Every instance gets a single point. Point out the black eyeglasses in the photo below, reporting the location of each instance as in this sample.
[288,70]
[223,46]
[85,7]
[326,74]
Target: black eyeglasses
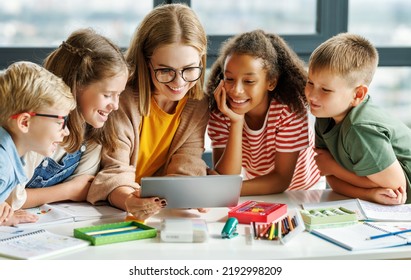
[64,118]
[167,75]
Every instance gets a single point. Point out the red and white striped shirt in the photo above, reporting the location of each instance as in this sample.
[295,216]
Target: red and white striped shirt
[283,131]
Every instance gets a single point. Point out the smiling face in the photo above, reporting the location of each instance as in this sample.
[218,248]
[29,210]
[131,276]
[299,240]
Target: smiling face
[97,100]
[245,81]
[329,95]
[178,57]
[44,134]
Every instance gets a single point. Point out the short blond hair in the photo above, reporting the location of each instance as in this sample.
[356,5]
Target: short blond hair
[28,87]
[347,55]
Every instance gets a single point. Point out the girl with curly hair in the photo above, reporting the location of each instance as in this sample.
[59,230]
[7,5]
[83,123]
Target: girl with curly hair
[259,123]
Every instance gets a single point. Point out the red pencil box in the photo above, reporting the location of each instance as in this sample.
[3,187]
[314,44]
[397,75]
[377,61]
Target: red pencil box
[258,211]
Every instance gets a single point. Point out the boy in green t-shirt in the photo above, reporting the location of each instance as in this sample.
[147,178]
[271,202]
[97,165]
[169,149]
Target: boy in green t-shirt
[363,151]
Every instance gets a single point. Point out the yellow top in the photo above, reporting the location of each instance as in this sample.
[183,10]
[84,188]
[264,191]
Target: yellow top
[156,133]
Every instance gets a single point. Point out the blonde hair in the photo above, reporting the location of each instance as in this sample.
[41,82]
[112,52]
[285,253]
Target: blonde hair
[347,55]
[28,87]
[164,25]
[84,58]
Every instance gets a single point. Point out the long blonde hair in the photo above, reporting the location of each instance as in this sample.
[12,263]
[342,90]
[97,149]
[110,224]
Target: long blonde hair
[164,25]
[84,58]
[28,87]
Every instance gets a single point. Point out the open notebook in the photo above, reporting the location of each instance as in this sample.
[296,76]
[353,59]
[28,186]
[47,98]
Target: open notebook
[355,237]
[35,244]
[68,212]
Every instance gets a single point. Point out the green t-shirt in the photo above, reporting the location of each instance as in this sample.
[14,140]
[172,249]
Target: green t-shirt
[367,141]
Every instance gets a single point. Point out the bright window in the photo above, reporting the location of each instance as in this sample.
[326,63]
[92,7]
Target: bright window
[384,22]
[391,90]
[45,23]
[228,17]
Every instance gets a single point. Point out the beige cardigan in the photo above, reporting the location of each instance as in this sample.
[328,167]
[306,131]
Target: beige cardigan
[184,156]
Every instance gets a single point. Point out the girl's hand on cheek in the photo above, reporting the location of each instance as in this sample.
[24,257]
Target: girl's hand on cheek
[220,96]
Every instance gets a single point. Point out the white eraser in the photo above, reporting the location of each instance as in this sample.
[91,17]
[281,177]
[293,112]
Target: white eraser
[183,230]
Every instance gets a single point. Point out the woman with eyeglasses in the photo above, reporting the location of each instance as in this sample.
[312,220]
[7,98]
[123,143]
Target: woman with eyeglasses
[96,71]
[163,112]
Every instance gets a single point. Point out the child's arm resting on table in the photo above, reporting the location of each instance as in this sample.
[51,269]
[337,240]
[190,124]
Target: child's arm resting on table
[276,181]
[227,160]
[391,177]
[378,194]
[75,189]
[382,187]
[328,166]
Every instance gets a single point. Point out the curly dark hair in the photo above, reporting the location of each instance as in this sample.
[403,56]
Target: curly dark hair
[280,61]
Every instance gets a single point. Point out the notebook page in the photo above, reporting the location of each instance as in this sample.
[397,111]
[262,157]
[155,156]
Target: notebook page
[47,215]
[7,232]
[82,211]
[395,227]
[378,212]
[39,244]
[354,237]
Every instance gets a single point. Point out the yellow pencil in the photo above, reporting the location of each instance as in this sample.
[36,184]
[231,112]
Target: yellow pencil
[265,230]
[111,230]
[270,237]
[290,224]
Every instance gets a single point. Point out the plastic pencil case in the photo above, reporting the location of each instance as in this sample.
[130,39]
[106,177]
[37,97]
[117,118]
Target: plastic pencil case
[115,232]
[328,217]
[288,226]
[257,211]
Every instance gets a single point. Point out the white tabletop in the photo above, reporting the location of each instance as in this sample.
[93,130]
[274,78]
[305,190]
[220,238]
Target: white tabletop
[303,246]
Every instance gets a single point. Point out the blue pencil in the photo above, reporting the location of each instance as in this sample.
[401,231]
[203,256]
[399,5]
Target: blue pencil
[388,234]
[117,232]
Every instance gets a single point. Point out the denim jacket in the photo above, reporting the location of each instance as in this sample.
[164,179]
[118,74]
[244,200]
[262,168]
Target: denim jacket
[49,172]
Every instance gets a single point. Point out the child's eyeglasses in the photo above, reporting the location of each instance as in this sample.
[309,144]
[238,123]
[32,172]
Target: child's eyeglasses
[64,118]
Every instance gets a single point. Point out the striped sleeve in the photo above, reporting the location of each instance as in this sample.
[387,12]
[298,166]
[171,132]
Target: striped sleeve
[218,129]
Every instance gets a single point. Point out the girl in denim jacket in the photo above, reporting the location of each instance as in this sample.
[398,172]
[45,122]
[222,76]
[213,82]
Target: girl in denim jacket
[96,71]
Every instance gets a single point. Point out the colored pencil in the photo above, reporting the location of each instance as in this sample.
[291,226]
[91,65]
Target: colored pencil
[388,234]
[111,230]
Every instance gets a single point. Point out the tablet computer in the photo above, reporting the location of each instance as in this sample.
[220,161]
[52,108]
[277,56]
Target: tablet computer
[194,191]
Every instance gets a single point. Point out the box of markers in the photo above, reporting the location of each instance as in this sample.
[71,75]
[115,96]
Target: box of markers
[328,217]
[279,231]
[258,211]
[115,232]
